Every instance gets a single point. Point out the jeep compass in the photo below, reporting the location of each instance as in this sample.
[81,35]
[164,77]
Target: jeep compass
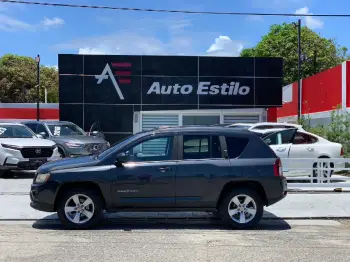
[166,169]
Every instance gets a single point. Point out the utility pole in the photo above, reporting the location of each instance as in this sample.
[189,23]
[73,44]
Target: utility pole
[299,68]
[298,25]
[37,60]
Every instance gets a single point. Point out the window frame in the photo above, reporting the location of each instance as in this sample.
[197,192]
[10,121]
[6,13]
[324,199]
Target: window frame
[151,137]
[222,147]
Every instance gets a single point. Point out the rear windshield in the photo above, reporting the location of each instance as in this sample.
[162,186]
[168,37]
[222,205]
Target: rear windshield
[236,145]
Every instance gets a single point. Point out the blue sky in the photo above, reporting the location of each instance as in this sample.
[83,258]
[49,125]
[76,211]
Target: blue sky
[31,30]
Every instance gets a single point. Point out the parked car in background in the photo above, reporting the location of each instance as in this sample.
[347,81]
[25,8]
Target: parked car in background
[264,125]
[70,138]
[296,143]
[173,169]
[21,149]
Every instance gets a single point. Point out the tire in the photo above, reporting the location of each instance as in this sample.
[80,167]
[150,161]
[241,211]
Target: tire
[90,215]
[255,203]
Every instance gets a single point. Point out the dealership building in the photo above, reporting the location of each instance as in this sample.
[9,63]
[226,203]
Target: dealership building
[126,94]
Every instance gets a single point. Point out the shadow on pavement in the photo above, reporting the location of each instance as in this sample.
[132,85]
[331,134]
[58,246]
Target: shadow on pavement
[271,223]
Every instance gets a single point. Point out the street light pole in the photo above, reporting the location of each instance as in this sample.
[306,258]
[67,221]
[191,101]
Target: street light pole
[37,60]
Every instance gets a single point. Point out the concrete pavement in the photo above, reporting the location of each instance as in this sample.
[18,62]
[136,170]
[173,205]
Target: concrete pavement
[278,241]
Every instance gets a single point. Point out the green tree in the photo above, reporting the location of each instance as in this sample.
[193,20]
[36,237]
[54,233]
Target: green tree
[318,53]
[18,80]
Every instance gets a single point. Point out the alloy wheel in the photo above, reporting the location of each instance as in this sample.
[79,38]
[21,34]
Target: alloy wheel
[242,209]
[79,209]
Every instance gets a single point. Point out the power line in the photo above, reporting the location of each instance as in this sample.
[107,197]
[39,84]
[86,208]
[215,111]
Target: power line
[168,10]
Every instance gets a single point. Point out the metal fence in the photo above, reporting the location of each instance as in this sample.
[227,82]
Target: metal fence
[317,175]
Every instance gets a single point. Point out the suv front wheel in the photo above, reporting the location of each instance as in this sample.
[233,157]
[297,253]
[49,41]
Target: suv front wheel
[80,208]
[241,209]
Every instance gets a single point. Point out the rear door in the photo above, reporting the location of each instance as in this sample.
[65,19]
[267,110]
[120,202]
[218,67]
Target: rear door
[201,160]
[281,142]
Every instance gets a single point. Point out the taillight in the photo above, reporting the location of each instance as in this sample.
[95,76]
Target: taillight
[341,151]
[277,168]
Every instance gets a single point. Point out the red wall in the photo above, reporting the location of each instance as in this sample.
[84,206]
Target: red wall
[29,113]
[321,92]
[348,84]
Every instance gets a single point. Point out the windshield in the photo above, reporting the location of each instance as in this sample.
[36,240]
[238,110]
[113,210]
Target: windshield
[14,131]
[65,130]
[120,144]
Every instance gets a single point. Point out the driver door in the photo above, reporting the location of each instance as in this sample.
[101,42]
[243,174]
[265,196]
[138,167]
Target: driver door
[281,142]
[147,176]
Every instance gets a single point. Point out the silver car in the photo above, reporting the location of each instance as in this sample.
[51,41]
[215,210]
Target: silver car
[71,140]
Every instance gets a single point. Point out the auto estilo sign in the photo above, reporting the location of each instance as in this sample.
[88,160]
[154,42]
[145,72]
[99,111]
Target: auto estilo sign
[177,80]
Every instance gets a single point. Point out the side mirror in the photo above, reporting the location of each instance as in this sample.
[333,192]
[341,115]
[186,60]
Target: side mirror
[43,135]
[121,159]
[39,136]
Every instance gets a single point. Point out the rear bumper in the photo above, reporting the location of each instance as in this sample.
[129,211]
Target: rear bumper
[276,190]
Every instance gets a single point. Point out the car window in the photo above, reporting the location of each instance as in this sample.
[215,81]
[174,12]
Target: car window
[235,146]
[15,131]
[154,149]
[201,147]
[279,138]
[32,127]
[65,130]
[41,129]
[264,127]
[301,138]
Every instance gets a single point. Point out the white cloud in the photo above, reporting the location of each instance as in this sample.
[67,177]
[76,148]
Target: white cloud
[257,18]
[49,22]
[224,46]
[311,22]
[8,23]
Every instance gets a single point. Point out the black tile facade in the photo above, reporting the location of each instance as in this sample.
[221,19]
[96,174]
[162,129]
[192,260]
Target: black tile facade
[110,88]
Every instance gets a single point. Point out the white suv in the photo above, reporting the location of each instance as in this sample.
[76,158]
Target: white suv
[264,125]
[21,149]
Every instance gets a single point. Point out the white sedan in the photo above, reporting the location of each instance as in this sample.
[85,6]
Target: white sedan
[299,144]
[264,126]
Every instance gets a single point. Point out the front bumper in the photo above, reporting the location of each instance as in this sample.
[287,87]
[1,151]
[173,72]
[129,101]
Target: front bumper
[86,150]
[42,196]
[13,163]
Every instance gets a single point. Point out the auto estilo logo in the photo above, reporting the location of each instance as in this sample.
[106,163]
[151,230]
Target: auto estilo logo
[123,75]
[203,88]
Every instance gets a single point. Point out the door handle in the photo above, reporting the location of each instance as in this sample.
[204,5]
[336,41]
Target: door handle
[310,149]
[163,169]
[281,149]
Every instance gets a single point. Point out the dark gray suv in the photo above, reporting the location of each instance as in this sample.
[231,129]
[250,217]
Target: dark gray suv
[166,169]
[71,140]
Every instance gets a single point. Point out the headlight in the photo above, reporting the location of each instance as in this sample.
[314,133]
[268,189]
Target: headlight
[74,145]
[11,146]
[42,178]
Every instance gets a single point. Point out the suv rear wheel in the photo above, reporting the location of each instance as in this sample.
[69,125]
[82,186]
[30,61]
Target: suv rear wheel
[80,208]
[242,208]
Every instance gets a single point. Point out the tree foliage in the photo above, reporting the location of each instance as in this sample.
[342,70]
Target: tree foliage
[318,53]
[18,80]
